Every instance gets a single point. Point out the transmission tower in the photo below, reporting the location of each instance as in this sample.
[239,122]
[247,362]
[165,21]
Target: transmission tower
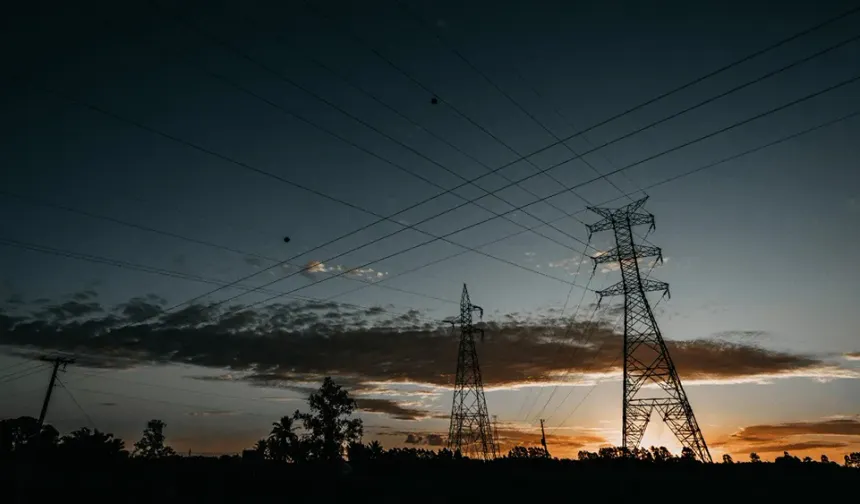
[471,432]
[646,358]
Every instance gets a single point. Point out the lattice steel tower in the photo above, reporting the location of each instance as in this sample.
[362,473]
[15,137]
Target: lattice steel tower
[646,358]
[471,431]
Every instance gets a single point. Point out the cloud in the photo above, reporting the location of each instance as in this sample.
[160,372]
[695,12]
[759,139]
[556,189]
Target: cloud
[571,265]
[367,274]
[392,408]
[741,335]
[649,263]
[84,295]
[794,436]
[253,261]
[15,299]
[852,356]
[284,344]
[212,413]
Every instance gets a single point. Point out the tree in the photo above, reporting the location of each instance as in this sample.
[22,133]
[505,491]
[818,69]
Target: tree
[661,454]
[727,459]
[283,444]
[22,435]
[151,445]
[853,460]
[518,452]
[825,459]
[688,455]
[86,444]
[375,451]
[754,457]
[329,426]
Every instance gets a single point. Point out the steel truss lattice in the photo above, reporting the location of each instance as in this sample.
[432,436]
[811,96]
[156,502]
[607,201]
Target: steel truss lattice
[646,358]
[470,432]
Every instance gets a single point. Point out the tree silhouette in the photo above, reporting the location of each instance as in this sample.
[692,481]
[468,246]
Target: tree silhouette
[329,426]
[727,459]
[522,452]
[151,445]
[87,444]
[688,455]
[754,457]
[853,460]
[283,444]
[375,451]
[22,435]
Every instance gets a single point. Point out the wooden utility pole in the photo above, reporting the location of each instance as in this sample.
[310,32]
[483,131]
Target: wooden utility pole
[543,439]
[56,361]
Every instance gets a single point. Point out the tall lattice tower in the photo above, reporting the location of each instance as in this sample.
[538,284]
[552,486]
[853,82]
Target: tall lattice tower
[646,358]
[471,431]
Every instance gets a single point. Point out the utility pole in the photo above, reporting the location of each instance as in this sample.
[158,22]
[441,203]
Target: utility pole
[496,433]
[646,358]
[56,361]
[543,439]
[470,432]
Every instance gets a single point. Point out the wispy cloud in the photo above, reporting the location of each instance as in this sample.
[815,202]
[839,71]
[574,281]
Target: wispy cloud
[834,433]
[213,413]
[316,267]
[394,409]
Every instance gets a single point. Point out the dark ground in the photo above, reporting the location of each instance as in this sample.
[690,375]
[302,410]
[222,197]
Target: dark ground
[231,480]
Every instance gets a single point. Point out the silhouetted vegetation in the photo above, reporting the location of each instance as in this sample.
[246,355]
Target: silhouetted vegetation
[318,455]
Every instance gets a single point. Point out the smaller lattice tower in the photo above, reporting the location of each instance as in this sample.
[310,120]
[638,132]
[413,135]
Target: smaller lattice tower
[471,432]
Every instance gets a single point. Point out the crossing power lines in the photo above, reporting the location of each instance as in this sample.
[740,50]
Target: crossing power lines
[517,182]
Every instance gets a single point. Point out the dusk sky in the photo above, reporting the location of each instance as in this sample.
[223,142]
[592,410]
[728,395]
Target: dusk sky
[155,151]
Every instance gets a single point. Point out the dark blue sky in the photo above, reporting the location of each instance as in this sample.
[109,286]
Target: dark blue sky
[336,98]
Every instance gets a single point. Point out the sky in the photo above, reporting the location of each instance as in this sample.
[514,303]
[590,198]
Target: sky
[155,152]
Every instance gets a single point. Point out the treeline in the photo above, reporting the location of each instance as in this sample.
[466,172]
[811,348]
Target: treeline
[326,433]
[318,456]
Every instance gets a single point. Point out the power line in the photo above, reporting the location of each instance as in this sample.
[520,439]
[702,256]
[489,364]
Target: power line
[637,163]
[37,202]
[552,195]
[473,122]
[282,77]
[459,206]
[13,366]
[434,135]
[17,375]
[164,272]
[608,120]
[697,80]
[511,99]
[594,359]
[241,164]
[178,389]
[72,397]
[615,171]
[651,186]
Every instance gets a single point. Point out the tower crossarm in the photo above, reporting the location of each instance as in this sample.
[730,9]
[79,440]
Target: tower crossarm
[626,215]
[648,285]
[627,252]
